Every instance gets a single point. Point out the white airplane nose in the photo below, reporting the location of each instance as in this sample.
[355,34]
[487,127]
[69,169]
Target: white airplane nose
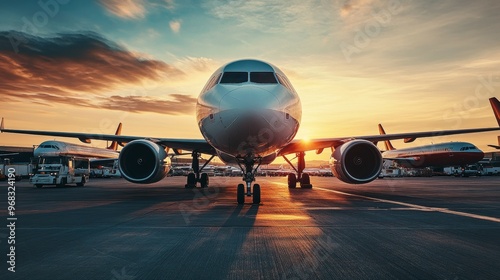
[249,98]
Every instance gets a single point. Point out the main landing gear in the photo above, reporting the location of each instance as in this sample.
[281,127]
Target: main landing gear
[247,166]
[302,178]
[196,176]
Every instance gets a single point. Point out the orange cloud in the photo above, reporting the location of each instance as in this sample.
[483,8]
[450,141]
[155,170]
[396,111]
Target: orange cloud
[72,62]
[181,104]
[131,9]
[135,9]
[72,69]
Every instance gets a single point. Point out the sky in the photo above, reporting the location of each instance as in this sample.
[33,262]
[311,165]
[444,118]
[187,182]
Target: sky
[75,65]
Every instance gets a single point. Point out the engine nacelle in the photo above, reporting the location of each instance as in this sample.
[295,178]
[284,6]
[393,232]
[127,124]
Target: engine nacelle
[143,162]
[356,162]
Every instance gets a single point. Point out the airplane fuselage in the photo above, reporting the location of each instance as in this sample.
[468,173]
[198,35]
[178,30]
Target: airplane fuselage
[248,108]
[58,148]
[442,154]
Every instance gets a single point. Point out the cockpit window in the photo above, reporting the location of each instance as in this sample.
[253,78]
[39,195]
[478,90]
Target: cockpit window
[263,78]
[211,83]
[234,77]
[284,81]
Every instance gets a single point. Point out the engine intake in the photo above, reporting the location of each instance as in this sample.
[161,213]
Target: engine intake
[356,162]
[143,162]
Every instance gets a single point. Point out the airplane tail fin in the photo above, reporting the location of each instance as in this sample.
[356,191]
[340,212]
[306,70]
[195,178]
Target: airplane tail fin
[2,126]
[114,144]
[387,143]
[495,105]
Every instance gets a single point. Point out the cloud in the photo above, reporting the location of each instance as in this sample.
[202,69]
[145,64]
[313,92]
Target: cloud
[265,16]
[129,9]
[72,63]
[175,26]
[135,9]
[200,64]
[48,99]
[356,7]
[181,104]
[82,70]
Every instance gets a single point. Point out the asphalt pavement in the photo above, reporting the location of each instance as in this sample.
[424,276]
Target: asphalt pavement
[402,228]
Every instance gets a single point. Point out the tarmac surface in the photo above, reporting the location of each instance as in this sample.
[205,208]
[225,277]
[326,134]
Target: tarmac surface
[402,228]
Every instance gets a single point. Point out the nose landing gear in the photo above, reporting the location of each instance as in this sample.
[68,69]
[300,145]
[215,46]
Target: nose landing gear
[247,166]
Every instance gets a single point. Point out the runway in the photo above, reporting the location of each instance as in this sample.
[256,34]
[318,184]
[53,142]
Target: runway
[404,228]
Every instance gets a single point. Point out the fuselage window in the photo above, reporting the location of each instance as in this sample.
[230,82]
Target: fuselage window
[263,78]
[234,77]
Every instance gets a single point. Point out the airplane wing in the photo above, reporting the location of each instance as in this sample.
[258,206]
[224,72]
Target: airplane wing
[198,145]
[295,146]
[8,155]
[320,144]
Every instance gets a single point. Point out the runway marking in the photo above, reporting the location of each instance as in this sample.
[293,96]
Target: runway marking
[420,207]
[321,208]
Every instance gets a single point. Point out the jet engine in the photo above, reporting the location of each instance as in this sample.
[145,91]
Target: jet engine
[356,162]
[143,162]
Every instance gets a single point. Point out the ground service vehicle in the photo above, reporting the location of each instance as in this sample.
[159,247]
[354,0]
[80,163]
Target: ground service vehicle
[60,171]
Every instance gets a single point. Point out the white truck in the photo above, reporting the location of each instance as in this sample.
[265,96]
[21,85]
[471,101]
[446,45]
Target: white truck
[469,170]
[22,170]
[61,170]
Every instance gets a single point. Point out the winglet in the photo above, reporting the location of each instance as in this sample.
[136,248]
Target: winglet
[387,143]
[496,147]
[495,105]
[114,144]
[2,126]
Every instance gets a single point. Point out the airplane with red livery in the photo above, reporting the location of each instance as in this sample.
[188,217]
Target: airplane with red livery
[433,155]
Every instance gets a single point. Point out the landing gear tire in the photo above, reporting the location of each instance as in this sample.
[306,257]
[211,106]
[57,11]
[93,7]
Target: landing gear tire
[292,181]
[256,194]
[204,180]
[39,186]
[191,181]
[305,182]
[241,194]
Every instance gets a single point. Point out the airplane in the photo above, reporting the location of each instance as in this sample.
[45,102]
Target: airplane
[248,114]
[435,155]
[57,148]
[494,146]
